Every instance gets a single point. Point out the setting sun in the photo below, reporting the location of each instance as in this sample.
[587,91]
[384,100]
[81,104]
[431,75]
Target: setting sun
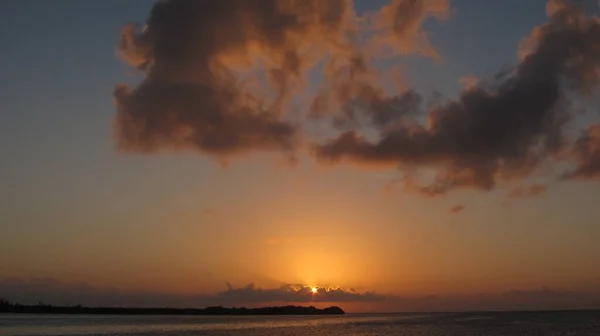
[314,290]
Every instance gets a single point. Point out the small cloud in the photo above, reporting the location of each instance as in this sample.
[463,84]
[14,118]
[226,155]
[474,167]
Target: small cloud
[208,212]
[586,153]
[456,209]
[528,191]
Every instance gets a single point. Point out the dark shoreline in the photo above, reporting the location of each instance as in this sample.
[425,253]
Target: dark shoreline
[79,310]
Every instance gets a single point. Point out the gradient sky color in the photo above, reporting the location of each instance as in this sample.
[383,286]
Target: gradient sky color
[74,209]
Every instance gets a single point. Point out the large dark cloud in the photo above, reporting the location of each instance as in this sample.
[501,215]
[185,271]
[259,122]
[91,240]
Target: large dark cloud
[196,56]
[219,74]
[497,130]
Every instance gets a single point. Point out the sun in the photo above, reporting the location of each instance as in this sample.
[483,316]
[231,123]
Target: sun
[314,290]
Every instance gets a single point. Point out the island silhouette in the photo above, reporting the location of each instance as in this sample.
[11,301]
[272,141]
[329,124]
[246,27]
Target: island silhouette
[40,308]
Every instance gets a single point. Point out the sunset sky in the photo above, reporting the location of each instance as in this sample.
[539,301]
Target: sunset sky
[400,155]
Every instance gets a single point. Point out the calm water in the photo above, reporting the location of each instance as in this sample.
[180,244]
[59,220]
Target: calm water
[463,324]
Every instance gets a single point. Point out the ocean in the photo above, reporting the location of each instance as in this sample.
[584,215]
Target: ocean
[580,323]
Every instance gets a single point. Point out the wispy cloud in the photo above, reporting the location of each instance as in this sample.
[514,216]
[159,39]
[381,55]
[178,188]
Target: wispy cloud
[528,191]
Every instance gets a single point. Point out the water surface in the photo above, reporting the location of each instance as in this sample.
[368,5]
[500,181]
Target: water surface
[460,324]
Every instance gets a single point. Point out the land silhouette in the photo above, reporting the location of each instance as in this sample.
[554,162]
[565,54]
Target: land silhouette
[40,308]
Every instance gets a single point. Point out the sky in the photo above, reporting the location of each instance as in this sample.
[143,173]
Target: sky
[396,155]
